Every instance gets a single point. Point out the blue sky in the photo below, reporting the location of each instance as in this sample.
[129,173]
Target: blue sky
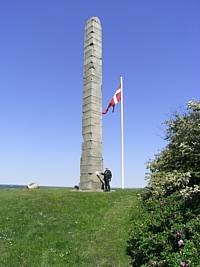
[153,44]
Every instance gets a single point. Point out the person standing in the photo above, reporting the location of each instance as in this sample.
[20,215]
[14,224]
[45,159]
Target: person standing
[107,175]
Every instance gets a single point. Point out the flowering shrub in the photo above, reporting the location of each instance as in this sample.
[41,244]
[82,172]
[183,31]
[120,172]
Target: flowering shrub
[169,234]
[177,167]
[165,183]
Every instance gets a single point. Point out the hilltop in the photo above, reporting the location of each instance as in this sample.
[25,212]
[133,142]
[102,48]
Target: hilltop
[59,227]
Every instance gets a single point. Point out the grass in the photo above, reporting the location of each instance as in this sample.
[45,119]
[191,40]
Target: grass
[59,227]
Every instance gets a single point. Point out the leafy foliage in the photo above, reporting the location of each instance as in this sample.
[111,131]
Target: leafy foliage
[178,165]
[169,234]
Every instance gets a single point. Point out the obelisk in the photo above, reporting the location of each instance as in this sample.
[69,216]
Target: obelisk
[91,156]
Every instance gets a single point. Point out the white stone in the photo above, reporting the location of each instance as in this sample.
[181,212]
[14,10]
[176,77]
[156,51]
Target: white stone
[32,186]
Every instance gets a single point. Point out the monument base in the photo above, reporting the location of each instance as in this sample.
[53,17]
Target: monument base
[90,186]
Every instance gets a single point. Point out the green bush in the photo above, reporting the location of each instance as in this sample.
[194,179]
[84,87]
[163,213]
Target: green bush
[177,167]
[168,234]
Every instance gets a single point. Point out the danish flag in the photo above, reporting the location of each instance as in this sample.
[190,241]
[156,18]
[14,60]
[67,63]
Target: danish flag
[116,99]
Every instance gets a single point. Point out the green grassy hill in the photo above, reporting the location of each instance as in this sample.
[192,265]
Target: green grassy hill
[59,227]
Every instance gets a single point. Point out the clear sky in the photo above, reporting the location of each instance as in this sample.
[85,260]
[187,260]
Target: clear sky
[154,44]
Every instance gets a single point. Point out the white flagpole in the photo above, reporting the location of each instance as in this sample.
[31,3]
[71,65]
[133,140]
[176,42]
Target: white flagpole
[122,131]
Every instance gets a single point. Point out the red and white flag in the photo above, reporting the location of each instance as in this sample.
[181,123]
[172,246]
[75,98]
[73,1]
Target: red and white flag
[116,99]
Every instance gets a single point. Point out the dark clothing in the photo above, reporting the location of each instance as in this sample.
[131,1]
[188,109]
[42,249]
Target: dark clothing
[107,178]
[107,184]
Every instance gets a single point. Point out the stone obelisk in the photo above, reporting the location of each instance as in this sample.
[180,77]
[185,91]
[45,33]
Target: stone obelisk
[91,156]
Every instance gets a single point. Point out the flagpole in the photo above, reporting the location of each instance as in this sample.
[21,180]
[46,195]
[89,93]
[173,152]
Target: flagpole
[122,131]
